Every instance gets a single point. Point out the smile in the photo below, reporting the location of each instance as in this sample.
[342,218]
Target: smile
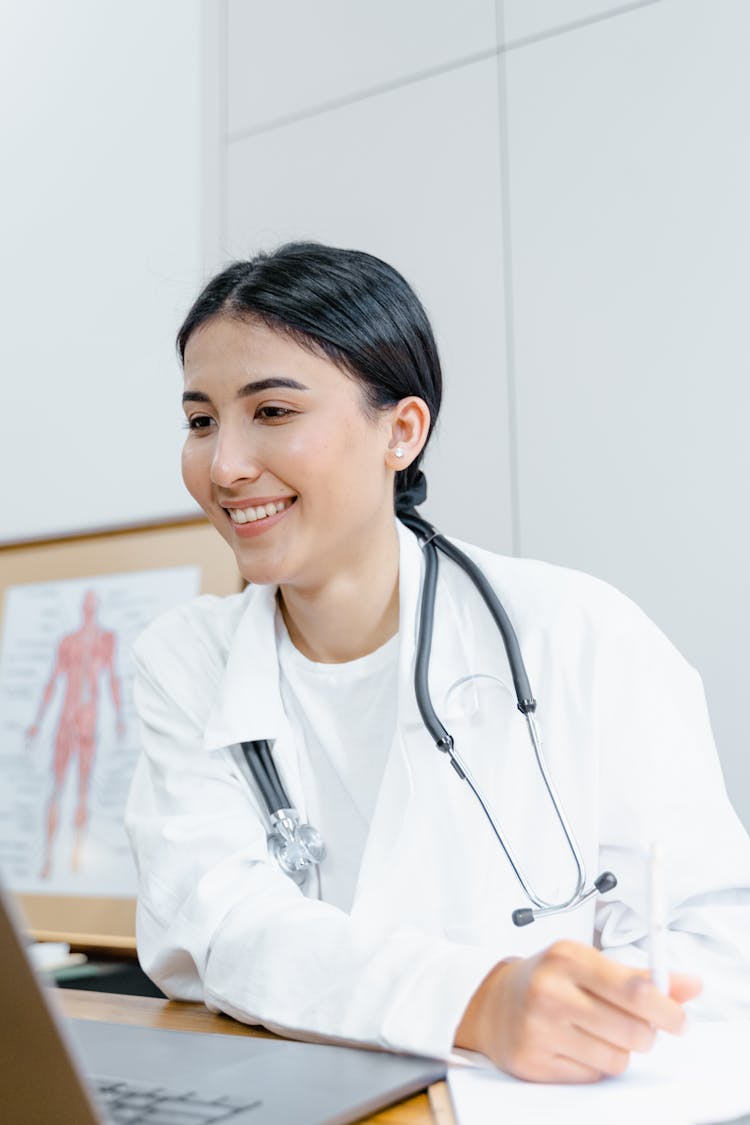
[261,512]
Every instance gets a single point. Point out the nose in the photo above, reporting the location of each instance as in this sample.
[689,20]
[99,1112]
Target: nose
[233,458]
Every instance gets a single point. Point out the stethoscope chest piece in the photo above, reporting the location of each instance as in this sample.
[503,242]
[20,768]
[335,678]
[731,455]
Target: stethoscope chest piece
[296,847]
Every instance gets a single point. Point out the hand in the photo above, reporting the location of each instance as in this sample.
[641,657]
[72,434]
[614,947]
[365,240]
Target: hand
[569,1014]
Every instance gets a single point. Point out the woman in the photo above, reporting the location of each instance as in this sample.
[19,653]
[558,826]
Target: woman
[312,384]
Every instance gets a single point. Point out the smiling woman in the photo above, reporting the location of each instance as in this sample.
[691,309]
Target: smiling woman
[310,421]
[312,384]
[272,423]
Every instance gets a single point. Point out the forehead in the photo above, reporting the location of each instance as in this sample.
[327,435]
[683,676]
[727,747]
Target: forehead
[230,350]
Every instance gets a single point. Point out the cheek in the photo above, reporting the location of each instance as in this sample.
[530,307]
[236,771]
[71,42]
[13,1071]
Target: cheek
[310,457]
[346,466]
[195,470]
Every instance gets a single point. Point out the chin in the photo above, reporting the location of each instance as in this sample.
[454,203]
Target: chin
[259,571]
[260,578]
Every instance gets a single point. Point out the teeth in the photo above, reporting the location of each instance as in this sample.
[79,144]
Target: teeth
[250,515]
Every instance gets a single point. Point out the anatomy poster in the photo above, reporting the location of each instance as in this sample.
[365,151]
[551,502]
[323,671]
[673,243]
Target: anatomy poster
[68,733]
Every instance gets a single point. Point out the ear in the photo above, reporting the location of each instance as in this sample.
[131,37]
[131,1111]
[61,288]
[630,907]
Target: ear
[408,430]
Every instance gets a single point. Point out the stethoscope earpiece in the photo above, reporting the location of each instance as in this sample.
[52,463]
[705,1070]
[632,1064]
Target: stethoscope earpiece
[525,915]
[605,882]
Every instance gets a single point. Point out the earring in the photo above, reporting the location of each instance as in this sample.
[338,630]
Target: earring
[399,451]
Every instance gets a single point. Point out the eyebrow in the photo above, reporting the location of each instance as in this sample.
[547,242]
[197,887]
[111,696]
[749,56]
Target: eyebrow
[250,389]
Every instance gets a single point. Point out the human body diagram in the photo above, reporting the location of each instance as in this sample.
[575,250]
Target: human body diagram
[82,657]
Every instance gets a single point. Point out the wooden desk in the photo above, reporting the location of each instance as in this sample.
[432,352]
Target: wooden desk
[432,1108]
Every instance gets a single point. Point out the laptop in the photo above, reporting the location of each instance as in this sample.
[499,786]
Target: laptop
[86,1072]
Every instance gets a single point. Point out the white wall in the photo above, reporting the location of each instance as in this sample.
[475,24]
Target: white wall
[100,226]
[628,180]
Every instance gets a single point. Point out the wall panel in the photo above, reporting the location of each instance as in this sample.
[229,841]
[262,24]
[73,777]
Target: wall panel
[526,18]
[101,236]
[291,56]
[629,180]
[411,175]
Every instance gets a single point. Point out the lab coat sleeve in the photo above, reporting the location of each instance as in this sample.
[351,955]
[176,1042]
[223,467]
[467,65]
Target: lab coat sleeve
[218,921]
[661,781]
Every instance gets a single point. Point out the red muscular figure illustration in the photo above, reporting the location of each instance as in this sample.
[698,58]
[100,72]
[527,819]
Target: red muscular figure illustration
[80,659]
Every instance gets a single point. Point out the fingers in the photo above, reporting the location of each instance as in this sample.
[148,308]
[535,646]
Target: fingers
[623,987]
[684,987]
[569,1014]
[599,1055]
[563,1069]
[613,1025]
[557,1068]
[587,1027]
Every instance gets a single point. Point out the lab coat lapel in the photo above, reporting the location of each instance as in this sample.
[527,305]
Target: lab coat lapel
[394,796]
[412,752]
[430,858]
[249,703]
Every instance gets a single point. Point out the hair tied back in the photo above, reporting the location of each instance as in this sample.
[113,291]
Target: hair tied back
[408,498]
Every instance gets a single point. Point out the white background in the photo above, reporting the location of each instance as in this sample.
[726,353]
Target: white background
[101,129]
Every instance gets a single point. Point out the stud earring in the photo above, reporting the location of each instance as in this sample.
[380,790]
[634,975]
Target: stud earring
[399,451]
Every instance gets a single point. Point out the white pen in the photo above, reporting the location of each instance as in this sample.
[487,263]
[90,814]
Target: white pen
[657,918]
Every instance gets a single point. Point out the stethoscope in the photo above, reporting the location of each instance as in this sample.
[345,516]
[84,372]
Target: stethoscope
[299,847]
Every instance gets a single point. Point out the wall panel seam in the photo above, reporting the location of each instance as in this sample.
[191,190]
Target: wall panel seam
[577,25]
[506,251]
[333,104]
[224,118]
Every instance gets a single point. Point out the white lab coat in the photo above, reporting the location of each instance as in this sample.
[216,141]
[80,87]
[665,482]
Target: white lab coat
[628,744]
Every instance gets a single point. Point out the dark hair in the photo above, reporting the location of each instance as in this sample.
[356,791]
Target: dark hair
[353,307]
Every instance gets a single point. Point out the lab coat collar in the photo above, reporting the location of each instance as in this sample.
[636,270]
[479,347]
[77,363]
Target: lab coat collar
[248,704]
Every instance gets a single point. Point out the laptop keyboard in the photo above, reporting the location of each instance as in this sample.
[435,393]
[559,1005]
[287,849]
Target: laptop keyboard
[124,1102]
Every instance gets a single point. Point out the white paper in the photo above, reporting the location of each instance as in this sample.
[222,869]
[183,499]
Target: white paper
[700,1077]
[68,735]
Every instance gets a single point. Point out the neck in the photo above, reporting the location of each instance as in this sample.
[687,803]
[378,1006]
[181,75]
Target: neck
[353,613]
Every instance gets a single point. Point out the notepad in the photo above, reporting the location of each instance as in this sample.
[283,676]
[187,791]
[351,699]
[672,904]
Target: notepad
[700,1077]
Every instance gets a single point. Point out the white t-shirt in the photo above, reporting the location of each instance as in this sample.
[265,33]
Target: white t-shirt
[343,717]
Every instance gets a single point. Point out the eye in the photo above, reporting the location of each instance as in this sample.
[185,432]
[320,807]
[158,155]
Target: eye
[197,423]
[274,413]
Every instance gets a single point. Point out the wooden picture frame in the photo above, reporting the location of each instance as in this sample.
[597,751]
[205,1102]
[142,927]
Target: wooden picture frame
[95,922]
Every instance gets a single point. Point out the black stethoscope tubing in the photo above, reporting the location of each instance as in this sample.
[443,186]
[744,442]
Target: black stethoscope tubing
[431,540]
[263,768]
